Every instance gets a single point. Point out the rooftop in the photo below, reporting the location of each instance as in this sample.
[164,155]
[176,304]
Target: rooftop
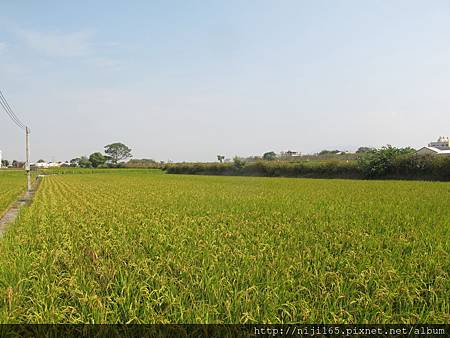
[437,150]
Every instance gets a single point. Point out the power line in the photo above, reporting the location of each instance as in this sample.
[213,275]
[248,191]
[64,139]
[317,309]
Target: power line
[9,111]
[12,117]
[4,103]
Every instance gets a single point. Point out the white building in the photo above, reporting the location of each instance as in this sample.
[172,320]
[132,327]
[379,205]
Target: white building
[40,165]
[44,165]
[442,143]
[290,153]
[440,147]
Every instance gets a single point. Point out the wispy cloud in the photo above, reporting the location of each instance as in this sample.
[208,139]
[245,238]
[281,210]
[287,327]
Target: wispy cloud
[58,44]
[78,44]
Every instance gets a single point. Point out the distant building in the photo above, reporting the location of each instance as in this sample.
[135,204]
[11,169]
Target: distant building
[45,165]
[442,143]
[290,153]
[440,147]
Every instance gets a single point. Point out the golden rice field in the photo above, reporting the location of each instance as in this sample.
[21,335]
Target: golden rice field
[134,247]
[12,184]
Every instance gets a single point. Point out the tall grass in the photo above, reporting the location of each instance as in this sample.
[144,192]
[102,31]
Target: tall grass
[12,184]
[316,169]
[409,166]
[127,247]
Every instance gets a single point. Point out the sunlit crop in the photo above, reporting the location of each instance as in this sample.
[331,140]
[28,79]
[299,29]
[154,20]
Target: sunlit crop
[137,247]
[12,184]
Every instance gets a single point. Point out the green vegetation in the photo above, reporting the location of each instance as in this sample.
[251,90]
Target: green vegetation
[387,162]
[97,159]
[269,156]
[117,152]
[12,184]
[132,247]
[114,153]
[317,169]
[384,162]
[142,163]
[329,152]
[70,170]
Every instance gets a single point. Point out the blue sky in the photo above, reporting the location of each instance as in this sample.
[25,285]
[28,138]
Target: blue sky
[187,80]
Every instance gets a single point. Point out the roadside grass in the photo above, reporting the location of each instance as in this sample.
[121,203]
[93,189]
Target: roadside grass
[12,184]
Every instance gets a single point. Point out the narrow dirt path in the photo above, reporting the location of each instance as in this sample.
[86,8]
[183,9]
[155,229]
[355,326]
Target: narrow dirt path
[10,215]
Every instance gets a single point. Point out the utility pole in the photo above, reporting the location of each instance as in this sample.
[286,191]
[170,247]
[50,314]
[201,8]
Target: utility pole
[27,164]
[22,126]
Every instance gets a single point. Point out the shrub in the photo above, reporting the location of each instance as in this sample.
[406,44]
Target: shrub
[327,169]
[387,162]
[238,163]
[381,162]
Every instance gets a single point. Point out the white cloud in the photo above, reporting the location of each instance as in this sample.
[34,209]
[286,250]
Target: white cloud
[78,44]
[58,44]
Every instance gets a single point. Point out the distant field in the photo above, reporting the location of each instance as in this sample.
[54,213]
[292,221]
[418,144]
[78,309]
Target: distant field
[134,247]
[12,184]
[68,170]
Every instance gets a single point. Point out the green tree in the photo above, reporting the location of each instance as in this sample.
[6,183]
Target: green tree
[75,162]
[17,164]
[329,152]
[363,150]
[238,162]
[269,156]
[381,162]
[220,158]
[5,163]
[117,152]
[97,159]
[84,162]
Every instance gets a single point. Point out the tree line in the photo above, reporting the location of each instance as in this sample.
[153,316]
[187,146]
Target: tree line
[384,163]
[12,164]
[113,154]
[287,156]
